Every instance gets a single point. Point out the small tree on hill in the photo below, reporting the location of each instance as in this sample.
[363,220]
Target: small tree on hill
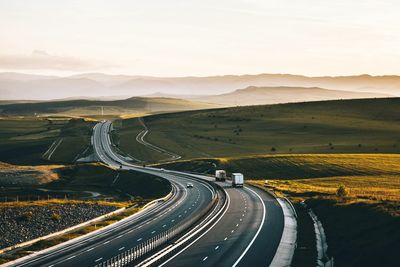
[342,191]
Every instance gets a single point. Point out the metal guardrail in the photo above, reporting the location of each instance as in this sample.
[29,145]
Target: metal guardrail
[137,254]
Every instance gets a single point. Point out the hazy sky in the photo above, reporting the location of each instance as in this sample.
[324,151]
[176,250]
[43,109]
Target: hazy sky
[190,37]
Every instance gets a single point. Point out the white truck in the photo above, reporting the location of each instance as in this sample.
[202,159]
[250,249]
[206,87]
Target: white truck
[220,175]
[237,180]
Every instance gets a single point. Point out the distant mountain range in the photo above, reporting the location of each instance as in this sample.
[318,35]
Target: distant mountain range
[17,86]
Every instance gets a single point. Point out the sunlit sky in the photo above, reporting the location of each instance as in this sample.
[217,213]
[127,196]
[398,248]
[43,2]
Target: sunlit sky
[200,37]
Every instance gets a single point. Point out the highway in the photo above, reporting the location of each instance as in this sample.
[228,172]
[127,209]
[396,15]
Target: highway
[137,229]
[247,234]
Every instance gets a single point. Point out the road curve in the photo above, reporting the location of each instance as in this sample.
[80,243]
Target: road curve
[247,234]
[110,241]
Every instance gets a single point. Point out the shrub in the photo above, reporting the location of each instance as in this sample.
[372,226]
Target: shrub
[55,216]
[26,216]
[342,191]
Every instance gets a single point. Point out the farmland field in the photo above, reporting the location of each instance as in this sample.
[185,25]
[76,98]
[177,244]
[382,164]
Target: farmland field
[26,140]
[344,126]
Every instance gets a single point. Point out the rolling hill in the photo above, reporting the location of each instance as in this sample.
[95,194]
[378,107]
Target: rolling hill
[339,126]
[96,107]
[275,95]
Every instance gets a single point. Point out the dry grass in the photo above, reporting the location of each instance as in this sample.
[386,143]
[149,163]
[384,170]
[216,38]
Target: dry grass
[381,190]
[20,204]
[13,174]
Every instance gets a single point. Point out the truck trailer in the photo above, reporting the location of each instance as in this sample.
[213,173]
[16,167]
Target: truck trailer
[237,180]
[220,175]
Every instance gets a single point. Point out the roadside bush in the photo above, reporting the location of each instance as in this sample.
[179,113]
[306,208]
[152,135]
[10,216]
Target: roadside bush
[342,191]
[55,217]
[26,216]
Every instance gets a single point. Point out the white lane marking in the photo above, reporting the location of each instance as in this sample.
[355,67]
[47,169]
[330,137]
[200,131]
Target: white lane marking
[164,225]
[121,248]
[241,219]
[90,249]
[130,231]
[180,216]
[226,238]
[99,259]
[237,225]
[205,232]
[139,239]
[172,220]
[153,232]
[119,236]
[51,265]
[205,258]
[71,257]
[217,247]
[232,231]
[258,231]
[106,242]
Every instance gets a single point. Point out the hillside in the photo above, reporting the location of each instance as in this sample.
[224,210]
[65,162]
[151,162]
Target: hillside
[24,86]
[275,95]
[340,126]
[94,107]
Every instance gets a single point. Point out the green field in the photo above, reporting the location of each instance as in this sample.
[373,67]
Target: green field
[25,140]
[125,138]
[344,126]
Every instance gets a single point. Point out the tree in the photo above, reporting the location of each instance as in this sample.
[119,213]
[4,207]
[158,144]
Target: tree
[342,191]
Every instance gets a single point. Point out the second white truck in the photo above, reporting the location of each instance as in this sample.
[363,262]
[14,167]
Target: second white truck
[237,179]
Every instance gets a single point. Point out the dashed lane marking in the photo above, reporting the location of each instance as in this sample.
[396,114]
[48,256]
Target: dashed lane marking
[99,259]
[121,248]
[205,258]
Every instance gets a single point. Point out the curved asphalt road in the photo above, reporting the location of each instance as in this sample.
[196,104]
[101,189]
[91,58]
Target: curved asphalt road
[110,241]
[247,234]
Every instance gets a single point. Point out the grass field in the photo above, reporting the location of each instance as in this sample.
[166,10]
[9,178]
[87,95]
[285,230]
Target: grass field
[25,140]
[125,138]
[344,126]
[82,182]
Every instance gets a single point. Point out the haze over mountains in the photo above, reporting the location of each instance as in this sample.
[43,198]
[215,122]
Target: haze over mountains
[17,86]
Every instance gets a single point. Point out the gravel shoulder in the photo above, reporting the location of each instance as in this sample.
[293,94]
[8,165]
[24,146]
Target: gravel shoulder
[20,224]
